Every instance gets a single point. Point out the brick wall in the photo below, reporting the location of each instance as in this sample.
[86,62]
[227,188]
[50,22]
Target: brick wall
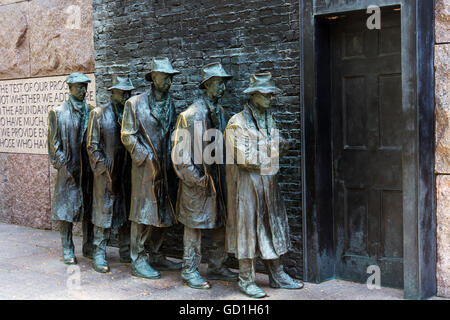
[245,36]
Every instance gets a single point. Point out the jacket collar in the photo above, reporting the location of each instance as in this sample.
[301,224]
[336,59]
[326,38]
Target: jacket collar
[80,107]
[249,110]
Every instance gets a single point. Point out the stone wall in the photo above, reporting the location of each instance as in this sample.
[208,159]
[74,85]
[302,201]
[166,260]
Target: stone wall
[245,36]
[39,38]
[442,168]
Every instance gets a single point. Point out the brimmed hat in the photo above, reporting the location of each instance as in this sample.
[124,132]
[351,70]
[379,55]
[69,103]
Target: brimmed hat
[213,70]
[262,82]
[121,83]
[160,65]
[78,77]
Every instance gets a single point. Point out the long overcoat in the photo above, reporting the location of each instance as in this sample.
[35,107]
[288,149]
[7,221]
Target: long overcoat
[111,165]
[201,192]
[257,224]
[66,139]
[153,181]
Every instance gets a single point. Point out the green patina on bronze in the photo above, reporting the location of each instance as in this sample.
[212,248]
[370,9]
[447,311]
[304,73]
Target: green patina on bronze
[148,122]
[257,224]
[72,199]
[201,196]
[111,165]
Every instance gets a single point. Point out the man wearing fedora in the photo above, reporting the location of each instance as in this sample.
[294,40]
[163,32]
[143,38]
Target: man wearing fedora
[148,122]
[201,195]
[257,224]
[72,198]
[111,165]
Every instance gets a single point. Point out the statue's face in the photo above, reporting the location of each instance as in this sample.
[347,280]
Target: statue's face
[262,100]
[78,90]
[120,96]
[215,87]
[162,81]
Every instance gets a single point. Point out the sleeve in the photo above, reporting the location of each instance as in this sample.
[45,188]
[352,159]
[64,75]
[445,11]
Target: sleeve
[183,163]
[55,152]
[137,151]
[97,158]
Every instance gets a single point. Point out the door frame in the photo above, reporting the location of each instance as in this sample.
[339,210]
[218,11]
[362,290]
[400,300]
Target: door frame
[419,201]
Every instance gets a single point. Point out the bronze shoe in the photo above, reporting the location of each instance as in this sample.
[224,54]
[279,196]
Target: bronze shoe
[195,281]
[223,273]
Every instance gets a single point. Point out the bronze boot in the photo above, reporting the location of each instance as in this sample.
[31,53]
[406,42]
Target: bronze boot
[278,278]
[247,279]
[141,268]
[100,263]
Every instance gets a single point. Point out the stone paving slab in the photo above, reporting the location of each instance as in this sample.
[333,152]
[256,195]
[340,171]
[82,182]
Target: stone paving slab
[31,268]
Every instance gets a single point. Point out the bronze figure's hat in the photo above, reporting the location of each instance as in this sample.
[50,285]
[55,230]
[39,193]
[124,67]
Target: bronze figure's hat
[262,82]
[78,77]
[121,83]
[160,65]
[214,69]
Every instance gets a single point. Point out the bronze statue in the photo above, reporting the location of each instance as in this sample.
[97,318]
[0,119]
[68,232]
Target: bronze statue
[257,224]
[201,195]
[111,165]
[67,152]
[148,122]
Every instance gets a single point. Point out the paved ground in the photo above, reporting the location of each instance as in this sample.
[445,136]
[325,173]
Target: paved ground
[31,268]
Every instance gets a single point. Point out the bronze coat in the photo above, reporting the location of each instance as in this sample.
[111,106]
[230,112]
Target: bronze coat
[111,165]
[153,180]
[66,139]
[257,223]
[200,201]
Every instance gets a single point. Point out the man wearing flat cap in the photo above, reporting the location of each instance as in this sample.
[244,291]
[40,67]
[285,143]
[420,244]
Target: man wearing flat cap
[201,194]
[72,199]
[148,122]
[111,165]
[257,224]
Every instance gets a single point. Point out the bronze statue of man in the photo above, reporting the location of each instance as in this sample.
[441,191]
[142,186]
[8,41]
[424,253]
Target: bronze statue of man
[111,165]
[72,199]
[201,195]
[148,122]
[257,224]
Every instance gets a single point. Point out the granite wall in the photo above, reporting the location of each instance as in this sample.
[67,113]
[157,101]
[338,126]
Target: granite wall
[245,36]
[442,168]
[39,38]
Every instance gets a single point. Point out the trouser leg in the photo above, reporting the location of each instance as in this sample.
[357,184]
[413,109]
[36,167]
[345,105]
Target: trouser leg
[138,235]
[154,242]
[88,236]
[68,248]
[124,242]
[192,258]
[247,279]
[217,255]
[192,251]
[139,261]
[65,230]
[246,272]
[101,237]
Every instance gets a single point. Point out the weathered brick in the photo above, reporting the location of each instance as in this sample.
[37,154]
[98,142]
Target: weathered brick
[246,37]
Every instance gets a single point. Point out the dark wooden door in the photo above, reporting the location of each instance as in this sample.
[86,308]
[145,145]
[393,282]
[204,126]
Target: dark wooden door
[367,132]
